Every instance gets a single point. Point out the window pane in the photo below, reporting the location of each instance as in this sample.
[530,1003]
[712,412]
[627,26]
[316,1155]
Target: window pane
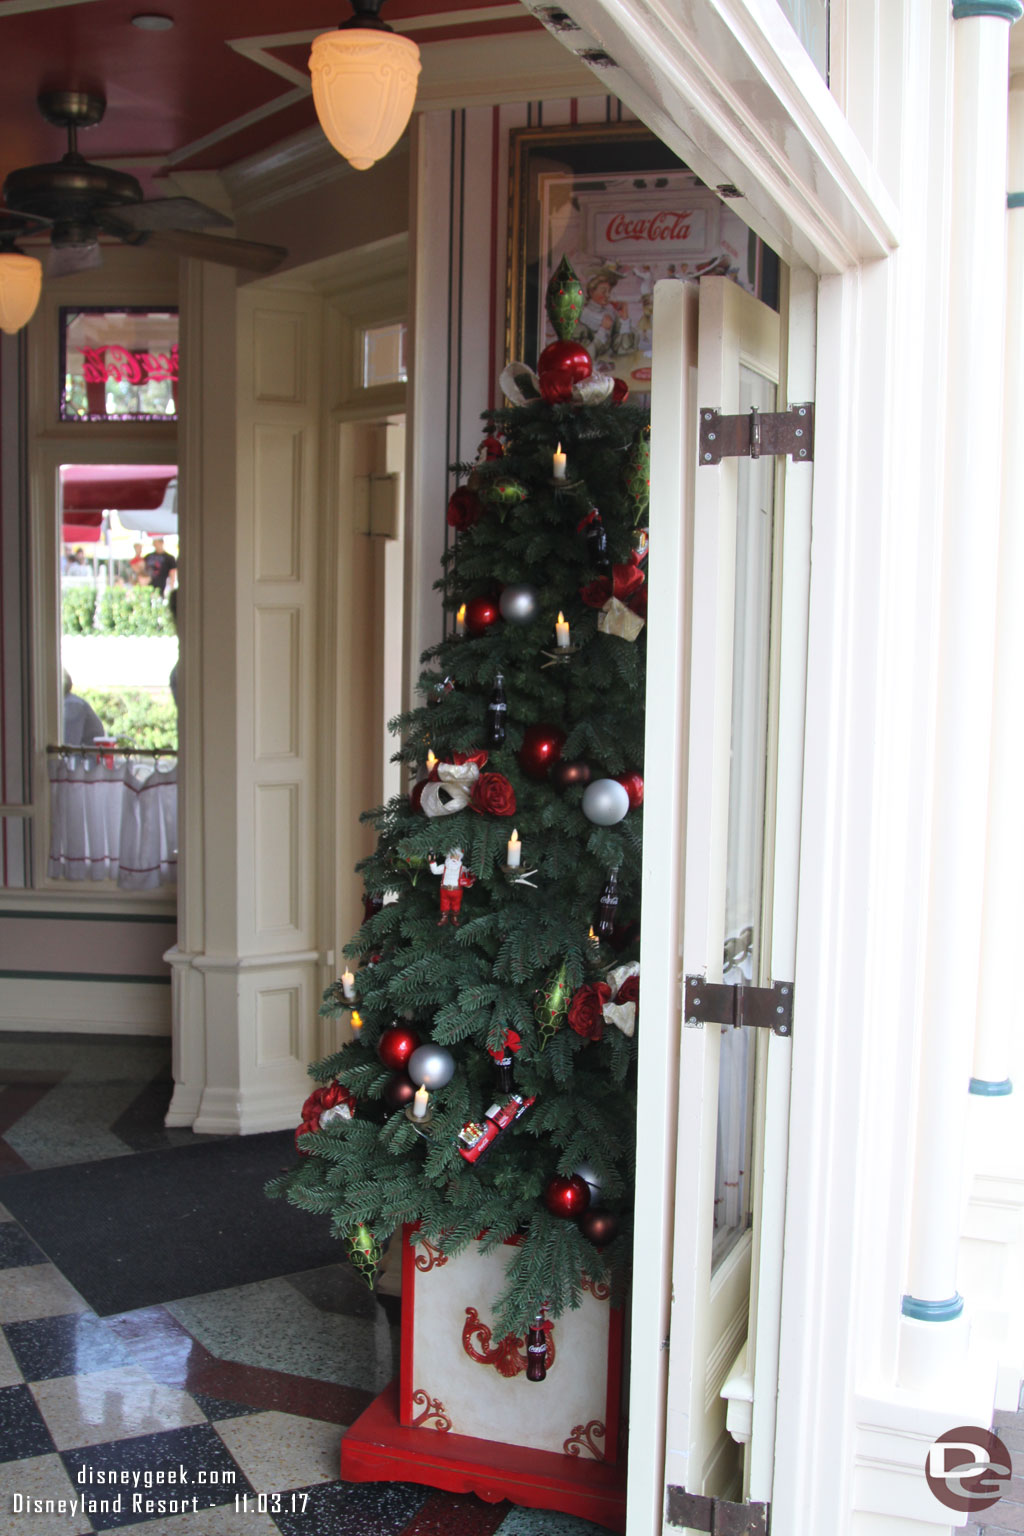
[741,961]
[119,365]
[383,356]
[118,585]
[810,23]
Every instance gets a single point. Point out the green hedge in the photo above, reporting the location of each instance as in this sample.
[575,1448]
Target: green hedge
[133,611]
[138,717]
[78,606]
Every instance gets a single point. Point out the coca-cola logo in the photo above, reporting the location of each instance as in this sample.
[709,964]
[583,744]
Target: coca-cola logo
[117,365]
[650,227]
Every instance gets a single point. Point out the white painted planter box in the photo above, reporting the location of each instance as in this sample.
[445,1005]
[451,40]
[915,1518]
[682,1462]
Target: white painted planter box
[456,1378]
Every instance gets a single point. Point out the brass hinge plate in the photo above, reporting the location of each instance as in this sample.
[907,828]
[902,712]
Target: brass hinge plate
[696,1512]
[757,434]
[708,1002]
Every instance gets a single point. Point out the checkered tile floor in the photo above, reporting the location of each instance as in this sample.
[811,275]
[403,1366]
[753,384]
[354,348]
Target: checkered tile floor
[217,1415]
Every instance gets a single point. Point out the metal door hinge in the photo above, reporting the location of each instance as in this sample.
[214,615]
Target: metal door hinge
[757,433]
[718,1516]
[708,1002]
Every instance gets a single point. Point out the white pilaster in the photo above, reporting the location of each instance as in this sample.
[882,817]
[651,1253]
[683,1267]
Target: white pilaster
[933,1334]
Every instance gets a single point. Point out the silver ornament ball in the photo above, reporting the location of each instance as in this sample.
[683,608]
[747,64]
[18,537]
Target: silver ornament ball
[589,1174]
[431,1066]
[518,603]
[605,802]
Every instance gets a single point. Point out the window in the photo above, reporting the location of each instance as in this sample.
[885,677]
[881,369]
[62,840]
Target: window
[118,554]
[119,365]
[382,355]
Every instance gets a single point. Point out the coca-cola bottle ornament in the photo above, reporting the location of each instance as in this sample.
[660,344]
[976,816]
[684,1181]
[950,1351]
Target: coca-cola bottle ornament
[503,1061]
[607,911]
[597,540]
[497,712]
[537,1350]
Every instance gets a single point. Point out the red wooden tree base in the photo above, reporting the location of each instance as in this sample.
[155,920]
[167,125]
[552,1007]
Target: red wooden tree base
[377,1448]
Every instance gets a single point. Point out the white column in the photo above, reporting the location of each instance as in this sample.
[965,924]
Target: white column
[931,1334]
[999,1011]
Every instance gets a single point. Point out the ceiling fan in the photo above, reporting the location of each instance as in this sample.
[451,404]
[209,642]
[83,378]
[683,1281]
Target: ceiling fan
[79,201]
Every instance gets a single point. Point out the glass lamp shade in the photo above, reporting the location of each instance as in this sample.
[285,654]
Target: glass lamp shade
[364,86]
[21,281]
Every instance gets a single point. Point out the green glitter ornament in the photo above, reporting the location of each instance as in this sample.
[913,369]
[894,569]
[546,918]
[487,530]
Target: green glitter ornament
[506,492]
[364,1252]
[552,1006]
[564,301]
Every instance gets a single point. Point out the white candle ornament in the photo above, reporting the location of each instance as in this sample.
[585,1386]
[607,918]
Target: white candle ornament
[515,850]
[419,1103]
[562,631]
[460,621]
[558,463]
[348,983]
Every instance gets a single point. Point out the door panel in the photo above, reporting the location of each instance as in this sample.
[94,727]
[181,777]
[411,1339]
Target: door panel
[726,913]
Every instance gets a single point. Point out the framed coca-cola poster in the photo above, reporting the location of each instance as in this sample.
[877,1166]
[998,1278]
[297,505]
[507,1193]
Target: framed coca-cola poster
[119,364]
[626,212]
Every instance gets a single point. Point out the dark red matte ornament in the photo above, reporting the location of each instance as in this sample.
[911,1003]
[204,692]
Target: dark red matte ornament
[564,774]
[399,1091]
[599,1227]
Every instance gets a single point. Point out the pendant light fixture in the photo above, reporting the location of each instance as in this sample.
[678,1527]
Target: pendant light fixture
[21,282]
[364,84]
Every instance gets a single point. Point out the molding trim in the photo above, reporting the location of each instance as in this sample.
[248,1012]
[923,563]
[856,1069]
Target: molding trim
[87,1006]
[985,1088]
[226,1112]
[1000,10]
[481,71]
[739,103]
[933,1311]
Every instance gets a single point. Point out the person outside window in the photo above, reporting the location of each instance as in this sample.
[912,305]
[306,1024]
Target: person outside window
[81,722]
[159,566]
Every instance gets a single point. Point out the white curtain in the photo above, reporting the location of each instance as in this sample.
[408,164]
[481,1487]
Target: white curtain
[113,818]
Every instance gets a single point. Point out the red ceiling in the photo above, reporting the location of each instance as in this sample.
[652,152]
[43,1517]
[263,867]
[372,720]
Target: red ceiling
[166,90]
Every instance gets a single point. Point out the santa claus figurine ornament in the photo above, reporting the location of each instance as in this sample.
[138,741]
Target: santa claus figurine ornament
[454,880]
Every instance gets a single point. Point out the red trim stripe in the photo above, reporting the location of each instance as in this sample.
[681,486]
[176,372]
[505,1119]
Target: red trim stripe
[492,357]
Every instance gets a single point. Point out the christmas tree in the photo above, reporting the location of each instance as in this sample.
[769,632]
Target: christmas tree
[489,1089]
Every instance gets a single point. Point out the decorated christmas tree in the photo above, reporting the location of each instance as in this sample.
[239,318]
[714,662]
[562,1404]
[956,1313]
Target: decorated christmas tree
[489,1089]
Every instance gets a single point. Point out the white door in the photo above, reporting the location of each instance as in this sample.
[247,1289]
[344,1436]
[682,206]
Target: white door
[713,666]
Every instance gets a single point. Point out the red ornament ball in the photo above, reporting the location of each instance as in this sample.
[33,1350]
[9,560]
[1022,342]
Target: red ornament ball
[399,1091]
[481,613]
[620,392]
[542,746]
[633,784]
[565,774]
[555,388]
[396,1045]
[567,1195]
[600,1227]
[568,359]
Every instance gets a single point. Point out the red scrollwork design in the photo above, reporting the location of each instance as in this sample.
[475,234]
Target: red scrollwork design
[432,1258]
[432,1408]
[507,1356]
[583,1437]
[599,1289]
[118,364]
